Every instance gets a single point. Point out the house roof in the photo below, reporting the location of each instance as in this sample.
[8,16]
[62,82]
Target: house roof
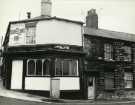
[109,34]
[40,18]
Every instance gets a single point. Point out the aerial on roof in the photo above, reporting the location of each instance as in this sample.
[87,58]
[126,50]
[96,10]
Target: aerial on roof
[109,34]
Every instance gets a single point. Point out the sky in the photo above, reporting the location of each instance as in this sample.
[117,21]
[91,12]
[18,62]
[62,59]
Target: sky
[115,15]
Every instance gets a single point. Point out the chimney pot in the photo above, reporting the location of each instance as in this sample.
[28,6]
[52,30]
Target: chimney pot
[28,15]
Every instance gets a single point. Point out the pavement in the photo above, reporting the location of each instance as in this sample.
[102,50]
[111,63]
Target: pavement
[4,93]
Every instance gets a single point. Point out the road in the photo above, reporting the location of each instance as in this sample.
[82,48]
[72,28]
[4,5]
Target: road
[10,101]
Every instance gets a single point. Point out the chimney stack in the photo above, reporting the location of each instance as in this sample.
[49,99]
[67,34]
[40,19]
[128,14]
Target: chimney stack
[46,8]
[92,19]
[28,15]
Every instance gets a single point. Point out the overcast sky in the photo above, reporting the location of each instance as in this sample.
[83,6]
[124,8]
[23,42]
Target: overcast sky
[117,15]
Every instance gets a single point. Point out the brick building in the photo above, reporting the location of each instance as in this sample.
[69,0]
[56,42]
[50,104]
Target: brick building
[61,58]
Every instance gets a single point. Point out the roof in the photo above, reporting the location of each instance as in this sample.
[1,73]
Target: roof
[40,18]
[109,34]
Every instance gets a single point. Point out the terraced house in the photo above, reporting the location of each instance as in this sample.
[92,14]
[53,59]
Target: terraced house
[62,58]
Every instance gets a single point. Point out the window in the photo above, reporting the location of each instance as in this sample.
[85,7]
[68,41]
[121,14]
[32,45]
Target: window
[109,80]
[16,38]
[46,67]
[128,78]
[30,35]
[66,67]
[108,52]
[123,53]
[38,67]
[31,67]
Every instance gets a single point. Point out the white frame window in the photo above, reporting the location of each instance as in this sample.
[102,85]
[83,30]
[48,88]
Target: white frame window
[108,51]
[128,79]
[66,67]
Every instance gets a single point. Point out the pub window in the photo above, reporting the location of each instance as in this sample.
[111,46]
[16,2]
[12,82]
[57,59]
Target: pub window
[66,67]
[109,80]
[31,67]
[128,78]
[108,52]
[38,67]
[46,67]
[30,35]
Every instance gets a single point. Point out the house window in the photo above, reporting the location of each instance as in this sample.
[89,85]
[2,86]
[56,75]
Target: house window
[30,35]
[128,78]
[109,80]
[66,67]
[108,52]
[123,53]
[38,67]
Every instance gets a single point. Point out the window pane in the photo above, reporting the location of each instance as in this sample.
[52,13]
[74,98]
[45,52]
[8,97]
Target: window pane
[66,67]
[73,68]
[31,67]
[58,67]
[46,67]
[38,67]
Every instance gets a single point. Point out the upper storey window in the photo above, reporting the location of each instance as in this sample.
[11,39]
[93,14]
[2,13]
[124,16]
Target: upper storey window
[108,51]
[30,33]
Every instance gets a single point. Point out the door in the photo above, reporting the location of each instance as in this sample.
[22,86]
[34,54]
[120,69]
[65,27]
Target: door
[91,87]
[16,76]
[55,88]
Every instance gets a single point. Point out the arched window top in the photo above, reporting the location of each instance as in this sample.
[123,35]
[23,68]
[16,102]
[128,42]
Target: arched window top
[31,67]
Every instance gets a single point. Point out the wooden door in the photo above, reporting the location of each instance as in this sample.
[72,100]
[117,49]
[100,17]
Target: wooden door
[91,87]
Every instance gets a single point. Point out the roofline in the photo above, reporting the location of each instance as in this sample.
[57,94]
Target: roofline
[48,18]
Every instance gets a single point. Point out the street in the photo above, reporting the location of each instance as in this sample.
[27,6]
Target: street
[10,101]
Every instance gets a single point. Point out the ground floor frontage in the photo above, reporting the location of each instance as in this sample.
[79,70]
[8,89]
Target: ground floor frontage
[66,74]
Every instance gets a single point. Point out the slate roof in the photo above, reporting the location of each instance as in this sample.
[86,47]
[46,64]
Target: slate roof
[109,34]
[40,18]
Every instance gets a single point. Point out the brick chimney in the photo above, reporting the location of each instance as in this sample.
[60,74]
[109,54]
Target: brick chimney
[46,8]
[92,19]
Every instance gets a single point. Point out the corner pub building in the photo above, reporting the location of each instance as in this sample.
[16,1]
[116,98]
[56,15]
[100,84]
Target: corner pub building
[62,58]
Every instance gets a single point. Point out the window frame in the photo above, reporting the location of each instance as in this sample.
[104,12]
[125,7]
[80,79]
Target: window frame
[77,68]
[35,61]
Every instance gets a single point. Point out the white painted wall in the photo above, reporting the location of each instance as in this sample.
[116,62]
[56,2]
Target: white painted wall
[60,32]
[16,77]
[43,83]
[49,32]
[69,83]
[37,83]
[15,31]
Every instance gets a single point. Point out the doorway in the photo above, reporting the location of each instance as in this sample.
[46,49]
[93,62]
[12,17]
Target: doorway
[91,87]
[55,88]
